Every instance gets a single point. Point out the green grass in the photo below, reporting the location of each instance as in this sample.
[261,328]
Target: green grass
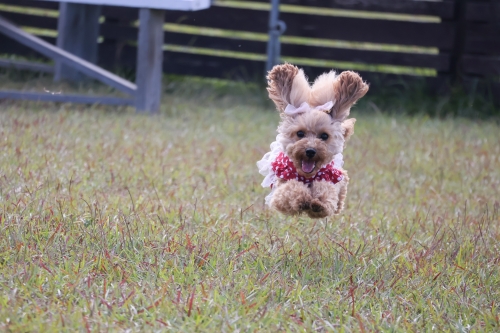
[112,221]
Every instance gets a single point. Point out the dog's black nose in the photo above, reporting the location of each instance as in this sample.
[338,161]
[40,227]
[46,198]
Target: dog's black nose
[310,152]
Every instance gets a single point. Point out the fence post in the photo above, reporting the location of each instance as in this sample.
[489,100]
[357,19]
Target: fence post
[78,30]
[459,45]
[276,29]
[149,60]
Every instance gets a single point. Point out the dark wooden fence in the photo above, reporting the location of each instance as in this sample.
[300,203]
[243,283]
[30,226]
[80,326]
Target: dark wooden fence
[480,56]
[439,41]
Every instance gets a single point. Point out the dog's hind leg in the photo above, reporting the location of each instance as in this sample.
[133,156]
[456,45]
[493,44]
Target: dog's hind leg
[342,193]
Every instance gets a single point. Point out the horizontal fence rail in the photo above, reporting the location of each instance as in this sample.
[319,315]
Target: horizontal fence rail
[444,9]
[382,39]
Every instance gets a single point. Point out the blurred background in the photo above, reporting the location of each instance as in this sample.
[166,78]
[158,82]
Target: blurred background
[418,47]
[115,221]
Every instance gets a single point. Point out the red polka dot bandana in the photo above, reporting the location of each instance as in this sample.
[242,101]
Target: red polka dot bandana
[283,168]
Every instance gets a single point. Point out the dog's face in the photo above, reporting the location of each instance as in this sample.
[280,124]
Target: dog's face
[311,140]
[312,136]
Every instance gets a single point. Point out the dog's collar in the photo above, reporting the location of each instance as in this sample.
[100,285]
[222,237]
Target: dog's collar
[284,169]
[305,107]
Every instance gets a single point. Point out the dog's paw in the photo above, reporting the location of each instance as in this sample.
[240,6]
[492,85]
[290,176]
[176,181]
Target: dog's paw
[318,210]
[316,207]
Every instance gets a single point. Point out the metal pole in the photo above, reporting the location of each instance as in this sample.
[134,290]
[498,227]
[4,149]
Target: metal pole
[276,29]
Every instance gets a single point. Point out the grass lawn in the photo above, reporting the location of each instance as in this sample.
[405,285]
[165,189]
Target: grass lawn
[111,221]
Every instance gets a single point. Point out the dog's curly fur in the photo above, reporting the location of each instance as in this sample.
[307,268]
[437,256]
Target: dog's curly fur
[287,84]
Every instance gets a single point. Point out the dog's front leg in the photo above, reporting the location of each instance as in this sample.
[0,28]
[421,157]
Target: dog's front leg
[325,199]
[291,197]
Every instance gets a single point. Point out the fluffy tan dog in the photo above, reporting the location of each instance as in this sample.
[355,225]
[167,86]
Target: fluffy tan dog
[304,166]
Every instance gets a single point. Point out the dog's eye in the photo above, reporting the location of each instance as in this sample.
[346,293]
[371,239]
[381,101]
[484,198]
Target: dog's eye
[301,134]
[324,136]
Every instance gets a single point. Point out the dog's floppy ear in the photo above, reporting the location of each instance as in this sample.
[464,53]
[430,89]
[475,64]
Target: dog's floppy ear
[287,85]
[348,127]
[348,87]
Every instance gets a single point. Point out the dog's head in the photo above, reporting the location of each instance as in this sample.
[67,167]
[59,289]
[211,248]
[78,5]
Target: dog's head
[314,126]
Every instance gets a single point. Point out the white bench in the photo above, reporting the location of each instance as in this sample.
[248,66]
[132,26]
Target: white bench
[151,4]
[76,50]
